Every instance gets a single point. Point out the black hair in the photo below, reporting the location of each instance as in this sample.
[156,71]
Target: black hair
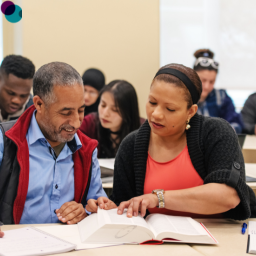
[54,73]
[94,78]
[189,72]
[18,66]
[207,53]
[126,102]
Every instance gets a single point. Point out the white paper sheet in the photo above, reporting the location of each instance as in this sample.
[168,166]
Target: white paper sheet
[29,241]
[70,233]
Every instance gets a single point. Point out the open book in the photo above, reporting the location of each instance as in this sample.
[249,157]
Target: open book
[109,227]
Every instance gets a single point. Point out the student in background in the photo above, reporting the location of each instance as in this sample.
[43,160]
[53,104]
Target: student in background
[248,114]
[118,116]
[179,162]
[16,79]
[214,102]
[93,80]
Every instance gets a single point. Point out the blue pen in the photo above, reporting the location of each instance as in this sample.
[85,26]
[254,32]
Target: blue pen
[244,227]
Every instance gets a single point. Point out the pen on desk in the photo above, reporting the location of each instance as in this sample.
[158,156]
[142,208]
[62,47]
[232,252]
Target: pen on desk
[244,227]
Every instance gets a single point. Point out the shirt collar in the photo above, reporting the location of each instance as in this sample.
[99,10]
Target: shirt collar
[34,134]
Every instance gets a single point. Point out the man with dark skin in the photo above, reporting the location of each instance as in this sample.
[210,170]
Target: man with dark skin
[16,80]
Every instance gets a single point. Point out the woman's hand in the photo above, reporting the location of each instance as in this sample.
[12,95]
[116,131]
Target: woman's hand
[102,202]
[136,204]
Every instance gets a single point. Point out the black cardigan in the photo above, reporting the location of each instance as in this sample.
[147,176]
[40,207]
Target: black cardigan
[215,154]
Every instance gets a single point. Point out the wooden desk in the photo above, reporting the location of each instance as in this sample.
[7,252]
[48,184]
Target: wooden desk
[250,170]
[129,250]
[249,149]
[107,185]
[228,234]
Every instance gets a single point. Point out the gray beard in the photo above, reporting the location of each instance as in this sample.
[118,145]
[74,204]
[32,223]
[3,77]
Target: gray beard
[52,134]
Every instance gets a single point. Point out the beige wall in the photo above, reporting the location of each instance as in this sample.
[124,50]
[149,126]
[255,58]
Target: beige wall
[120,37]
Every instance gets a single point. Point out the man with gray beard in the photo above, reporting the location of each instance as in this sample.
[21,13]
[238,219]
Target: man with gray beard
[48,168]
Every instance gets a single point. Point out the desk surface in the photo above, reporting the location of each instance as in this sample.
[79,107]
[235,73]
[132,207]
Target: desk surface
[107,185]
[250,142]
[250,170]
[227,232]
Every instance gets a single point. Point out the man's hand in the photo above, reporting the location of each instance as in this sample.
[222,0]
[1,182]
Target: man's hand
[1,233]
[102,202]
[71,212]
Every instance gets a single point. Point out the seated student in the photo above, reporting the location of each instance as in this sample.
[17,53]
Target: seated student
[16,79]
[248,114]
[214,102]
[93,80]
[118,116]
[49,165]
[179,162]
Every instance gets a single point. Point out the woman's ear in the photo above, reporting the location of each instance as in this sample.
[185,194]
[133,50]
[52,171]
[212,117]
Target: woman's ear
[192,111]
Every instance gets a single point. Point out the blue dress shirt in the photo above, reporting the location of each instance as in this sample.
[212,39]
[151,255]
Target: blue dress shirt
[51,180]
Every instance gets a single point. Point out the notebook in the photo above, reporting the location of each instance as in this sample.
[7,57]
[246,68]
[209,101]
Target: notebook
[32,241]
[251,245]
[109,227]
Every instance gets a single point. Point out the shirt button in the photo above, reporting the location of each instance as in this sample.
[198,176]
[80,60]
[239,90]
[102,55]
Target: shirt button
[56,186]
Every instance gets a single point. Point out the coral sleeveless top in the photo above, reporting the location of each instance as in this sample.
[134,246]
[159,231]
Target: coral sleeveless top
[179,173]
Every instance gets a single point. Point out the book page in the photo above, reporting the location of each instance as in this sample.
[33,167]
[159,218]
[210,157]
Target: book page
[111,217]
[160,223]
[88,226]
[70,234]
[30,241]
[115,229]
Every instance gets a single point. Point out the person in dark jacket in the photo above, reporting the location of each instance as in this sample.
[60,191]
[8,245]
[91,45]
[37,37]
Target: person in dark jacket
[16,79]
[94,81]
[118,115]
[49,169]
[214,102]
[179,162]
[248,114]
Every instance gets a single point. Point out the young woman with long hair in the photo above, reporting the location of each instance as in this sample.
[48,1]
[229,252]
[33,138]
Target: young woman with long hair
[118,115]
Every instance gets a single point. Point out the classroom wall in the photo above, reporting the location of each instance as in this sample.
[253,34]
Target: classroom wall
[120,37]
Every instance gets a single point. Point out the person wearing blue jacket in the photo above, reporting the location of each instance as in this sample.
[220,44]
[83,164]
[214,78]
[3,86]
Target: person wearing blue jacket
[214,102]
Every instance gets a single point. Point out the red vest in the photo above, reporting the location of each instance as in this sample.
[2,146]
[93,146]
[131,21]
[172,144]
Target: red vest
[82,161]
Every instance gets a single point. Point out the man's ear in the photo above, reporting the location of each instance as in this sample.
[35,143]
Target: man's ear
[192,111]
[38,103]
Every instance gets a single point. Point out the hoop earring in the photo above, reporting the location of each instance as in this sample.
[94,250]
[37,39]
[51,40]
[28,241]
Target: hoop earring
[188,125]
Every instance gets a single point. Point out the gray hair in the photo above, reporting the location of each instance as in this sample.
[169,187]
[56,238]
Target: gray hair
[51,74]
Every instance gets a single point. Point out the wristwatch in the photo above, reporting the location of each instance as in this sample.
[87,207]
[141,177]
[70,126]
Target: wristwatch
[160,196]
